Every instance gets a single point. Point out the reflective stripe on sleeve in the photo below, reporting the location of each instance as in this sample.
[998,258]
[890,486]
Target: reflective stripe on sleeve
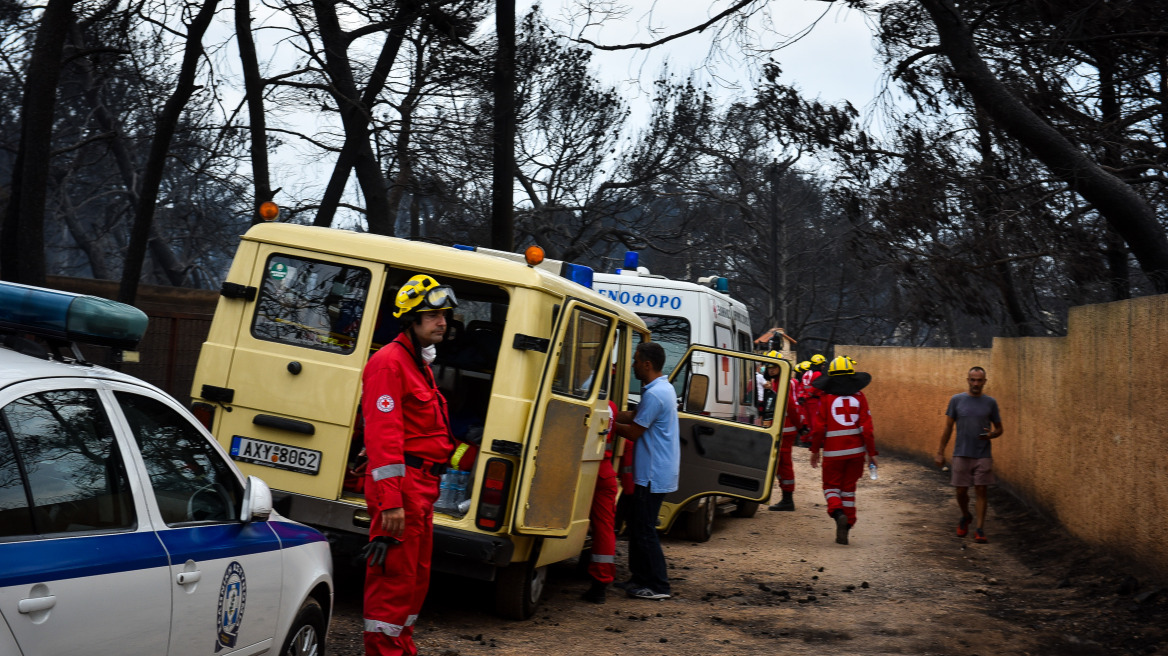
[789,429]
[389,471]
[603,559]
[846,431]
[844,452]
[377,626]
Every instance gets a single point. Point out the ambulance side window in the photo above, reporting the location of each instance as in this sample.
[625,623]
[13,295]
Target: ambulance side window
[76,476]
[310,303]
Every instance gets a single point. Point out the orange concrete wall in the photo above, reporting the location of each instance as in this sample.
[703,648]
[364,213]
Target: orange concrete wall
[1085,415]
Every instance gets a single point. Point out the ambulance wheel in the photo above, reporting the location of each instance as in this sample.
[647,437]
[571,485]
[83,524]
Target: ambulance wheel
[306,637]
[744,508]
[518,590]
[699,523]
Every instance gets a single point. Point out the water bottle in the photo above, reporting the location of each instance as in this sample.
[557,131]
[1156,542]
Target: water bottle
[872,471]
[445,501]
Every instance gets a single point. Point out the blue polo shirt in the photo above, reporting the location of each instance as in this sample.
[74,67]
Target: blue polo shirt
[658,454]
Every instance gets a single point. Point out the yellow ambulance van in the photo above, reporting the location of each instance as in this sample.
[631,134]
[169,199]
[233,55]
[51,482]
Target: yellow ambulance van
[531,358]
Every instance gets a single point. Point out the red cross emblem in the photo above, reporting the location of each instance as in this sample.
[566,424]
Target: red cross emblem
[845,410]
[385,403]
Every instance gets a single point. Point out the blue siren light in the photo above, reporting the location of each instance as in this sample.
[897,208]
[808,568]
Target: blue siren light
[722,285]
[632,259]
[73,317]
[578,273]
[464,247]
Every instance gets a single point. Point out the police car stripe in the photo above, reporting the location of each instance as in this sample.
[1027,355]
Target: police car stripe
[295,535]
[218,541]
[37,561]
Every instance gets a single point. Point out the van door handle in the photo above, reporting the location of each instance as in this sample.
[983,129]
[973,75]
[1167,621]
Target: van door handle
[36,604]
[186,578]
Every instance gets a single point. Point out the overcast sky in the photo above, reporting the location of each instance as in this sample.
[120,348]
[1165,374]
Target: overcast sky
[834,60]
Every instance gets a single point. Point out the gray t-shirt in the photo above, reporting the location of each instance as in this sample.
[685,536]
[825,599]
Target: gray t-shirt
[973,415]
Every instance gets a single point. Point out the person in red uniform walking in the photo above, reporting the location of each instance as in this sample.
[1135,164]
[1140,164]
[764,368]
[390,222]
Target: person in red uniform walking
[408,442]
[843,431]
[812,395]
[602,517]
[792,424]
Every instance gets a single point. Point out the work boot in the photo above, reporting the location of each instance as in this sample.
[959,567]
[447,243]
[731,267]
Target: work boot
[787,503]
[597,593]
[841,527]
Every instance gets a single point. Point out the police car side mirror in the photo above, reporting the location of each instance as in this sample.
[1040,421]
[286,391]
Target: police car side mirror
[257,501]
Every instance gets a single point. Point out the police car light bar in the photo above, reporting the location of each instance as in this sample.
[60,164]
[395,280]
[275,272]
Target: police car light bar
[71,317]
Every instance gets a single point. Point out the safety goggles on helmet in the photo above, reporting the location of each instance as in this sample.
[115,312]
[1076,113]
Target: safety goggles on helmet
[422,294]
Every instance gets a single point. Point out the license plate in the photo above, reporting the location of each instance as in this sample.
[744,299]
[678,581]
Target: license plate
[270,454]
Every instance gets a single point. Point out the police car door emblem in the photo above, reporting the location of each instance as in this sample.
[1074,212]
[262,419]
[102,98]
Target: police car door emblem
[232,598]
[385,403]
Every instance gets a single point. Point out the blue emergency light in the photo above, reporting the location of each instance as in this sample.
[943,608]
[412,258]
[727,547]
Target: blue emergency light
[70,317]
[577,273]
[632,260]
[721,284]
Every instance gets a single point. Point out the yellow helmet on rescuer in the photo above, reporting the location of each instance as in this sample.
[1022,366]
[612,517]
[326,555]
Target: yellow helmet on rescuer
[774,354]
[818,359]
[422,294]
[803,366]
[841,366]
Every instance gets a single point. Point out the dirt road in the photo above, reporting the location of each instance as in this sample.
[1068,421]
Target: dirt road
[777,583]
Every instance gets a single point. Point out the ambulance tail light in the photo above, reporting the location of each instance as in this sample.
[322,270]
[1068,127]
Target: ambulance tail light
[493,494]
[205,413]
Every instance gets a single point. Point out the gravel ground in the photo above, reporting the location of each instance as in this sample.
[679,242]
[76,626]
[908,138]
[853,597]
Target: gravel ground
[777,583]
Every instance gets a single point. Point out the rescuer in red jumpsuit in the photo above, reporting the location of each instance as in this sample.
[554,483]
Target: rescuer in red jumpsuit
[843,431]
[602,517]
[811,394]
[408,442]
[792,423]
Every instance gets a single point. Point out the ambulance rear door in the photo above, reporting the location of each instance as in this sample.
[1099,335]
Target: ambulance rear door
[296,372]
[725,449]
[569,426]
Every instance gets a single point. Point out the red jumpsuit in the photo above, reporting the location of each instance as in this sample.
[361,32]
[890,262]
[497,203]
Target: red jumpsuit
[811,395]
[602,517]
[792,422]
[407,433]
[843,430]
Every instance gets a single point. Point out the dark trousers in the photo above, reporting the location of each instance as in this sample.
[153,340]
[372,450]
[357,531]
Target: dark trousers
[646,560]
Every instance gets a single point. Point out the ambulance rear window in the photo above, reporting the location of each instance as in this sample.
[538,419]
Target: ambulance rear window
[310,303]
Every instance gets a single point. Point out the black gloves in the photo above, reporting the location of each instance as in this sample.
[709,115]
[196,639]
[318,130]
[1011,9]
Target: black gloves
[374,552]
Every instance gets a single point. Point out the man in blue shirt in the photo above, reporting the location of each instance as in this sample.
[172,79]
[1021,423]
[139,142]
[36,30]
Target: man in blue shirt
[657,460]
[977,420]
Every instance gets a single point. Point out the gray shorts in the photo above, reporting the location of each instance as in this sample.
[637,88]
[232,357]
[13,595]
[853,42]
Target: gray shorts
[968,472]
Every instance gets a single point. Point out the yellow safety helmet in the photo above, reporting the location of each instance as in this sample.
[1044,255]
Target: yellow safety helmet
[774,354]
[841,366]
[818,359]
[422,294]
[803,366]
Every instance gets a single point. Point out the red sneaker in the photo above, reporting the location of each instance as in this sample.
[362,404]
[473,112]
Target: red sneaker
[979,536]
[963,526]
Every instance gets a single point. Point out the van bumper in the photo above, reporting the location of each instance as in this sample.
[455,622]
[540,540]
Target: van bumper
[473,555]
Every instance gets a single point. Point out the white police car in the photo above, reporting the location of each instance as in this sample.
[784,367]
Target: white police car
[124,528]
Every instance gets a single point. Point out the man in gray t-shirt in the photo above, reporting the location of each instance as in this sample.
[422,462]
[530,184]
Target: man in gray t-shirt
[978,421]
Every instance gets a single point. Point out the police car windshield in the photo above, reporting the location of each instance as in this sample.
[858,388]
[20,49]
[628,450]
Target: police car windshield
[673,333]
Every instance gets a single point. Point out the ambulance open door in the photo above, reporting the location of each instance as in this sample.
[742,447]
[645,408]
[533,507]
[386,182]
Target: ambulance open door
[725,448]
[569,427]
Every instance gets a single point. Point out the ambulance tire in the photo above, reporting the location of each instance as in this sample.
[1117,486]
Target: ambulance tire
[743,508]
[519,589]
[307,635]
[699,523]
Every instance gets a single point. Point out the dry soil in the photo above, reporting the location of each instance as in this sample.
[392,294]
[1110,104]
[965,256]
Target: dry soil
[778,583]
